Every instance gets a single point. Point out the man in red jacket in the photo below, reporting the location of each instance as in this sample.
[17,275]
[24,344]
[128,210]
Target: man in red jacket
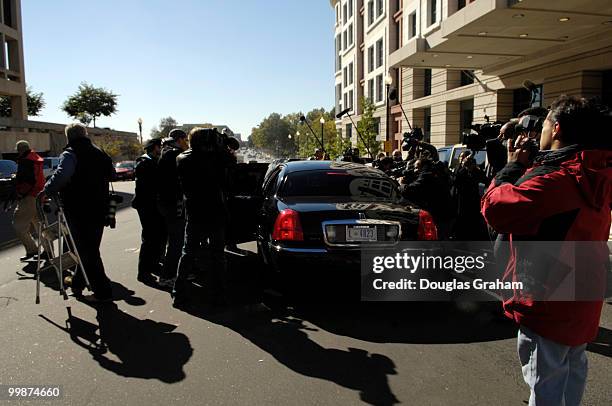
[565,196]
[30,180]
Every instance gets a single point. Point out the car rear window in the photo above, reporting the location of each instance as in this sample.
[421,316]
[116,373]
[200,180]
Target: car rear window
[125,165]
[7,168]
[330,183]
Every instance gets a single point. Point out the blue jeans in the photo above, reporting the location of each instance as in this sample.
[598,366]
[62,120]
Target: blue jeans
[556,373]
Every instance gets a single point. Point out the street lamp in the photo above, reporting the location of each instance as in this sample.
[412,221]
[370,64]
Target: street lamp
[140,128]
[322,121]
[297,143]
[388,83]
[289,136]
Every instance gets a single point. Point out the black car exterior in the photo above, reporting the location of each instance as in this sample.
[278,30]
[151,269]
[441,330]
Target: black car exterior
[311,217]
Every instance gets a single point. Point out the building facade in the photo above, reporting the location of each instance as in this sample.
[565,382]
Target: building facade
[455,62]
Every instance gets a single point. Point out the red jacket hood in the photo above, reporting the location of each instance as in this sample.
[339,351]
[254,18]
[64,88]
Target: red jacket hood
[592,170]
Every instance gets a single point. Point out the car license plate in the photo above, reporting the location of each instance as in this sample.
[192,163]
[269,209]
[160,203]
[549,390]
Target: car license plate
[360,233]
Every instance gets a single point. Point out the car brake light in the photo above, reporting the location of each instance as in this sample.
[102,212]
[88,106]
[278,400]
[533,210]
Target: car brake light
[288,227]
[427,227]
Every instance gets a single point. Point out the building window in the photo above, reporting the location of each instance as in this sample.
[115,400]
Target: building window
[350,73]
[350,35]
[344,40]
[427,82]
[345,76]
[349,131]
[460,4]
[379,8]
[467,77]
[377,126]
[370,12]
[344,16]
[338,97]
[371,59]
[466,114]
[412,25]
[345,100]
[522,100]
[371,90]
[379,53]
[350,8]
[351,99]
[427,125]
[338,49]
[432,12]
[379,88]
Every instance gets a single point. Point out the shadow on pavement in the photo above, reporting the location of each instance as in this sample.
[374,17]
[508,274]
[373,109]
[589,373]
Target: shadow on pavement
[145,349]
[603,343]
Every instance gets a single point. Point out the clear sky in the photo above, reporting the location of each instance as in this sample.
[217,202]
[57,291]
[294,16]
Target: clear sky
[219,61]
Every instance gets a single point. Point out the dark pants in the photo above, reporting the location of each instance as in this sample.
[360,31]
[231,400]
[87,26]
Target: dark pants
[175,229]
[204,240]
[87,238]
[153,240]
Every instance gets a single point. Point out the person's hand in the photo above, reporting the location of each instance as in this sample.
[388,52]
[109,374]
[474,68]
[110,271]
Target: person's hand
[516,153]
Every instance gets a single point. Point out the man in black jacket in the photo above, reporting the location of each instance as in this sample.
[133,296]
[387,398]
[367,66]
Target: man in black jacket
[204,175]
[82,180]
[153,237]
[430,191]
[170,203]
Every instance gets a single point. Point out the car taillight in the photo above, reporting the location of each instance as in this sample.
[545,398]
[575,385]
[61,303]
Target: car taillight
[427,227]
[288,227]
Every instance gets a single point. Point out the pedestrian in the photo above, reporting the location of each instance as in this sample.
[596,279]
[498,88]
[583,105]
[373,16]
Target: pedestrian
[397,155]
[30,181]
[565,195]
[170,203]
[204,172]
[153,236]
[469,224]
[82,180]
[317,156]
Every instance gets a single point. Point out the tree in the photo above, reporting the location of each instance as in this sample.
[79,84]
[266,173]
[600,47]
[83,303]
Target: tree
[35,103]
[94,101]
[166,125]
[367,127]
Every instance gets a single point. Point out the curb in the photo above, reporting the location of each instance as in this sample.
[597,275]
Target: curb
[9,244]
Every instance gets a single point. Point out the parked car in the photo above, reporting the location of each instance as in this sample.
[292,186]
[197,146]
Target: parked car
[315,216]
[7,168]
[50,165]
[125,170]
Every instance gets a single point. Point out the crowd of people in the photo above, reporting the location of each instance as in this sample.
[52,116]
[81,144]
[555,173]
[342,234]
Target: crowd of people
[561,190]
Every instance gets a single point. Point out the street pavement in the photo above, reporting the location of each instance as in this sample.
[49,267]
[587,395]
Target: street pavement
[141,351]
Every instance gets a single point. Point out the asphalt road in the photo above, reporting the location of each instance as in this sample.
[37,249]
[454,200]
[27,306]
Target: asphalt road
[141,351]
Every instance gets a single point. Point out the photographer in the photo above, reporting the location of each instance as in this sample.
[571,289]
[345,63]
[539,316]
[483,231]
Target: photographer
[564,196]
[153,235]
[430,192]
[496,149]
[203,171]
[170,203]
[30,180]
[469,225]
[82,180]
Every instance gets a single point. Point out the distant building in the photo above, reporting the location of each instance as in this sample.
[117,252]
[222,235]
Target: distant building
[238,136]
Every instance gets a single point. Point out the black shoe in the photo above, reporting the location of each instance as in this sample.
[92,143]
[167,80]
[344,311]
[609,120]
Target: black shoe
[147,279]
[180,302]
[28,256]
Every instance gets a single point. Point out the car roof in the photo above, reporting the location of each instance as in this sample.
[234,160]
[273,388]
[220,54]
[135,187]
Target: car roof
[299,166]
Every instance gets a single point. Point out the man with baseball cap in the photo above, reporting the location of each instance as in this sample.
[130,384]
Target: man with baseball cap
[153,237]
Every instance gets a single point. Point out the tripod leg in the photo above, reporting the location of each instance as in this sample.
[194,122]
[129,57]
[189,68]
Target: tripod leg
[38,265]
[76,252]
[60,270]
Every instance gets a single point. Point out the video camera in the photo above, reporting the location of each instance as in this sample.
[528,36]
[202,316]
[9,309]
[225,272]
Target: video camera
[412,138]
[479,134]
[214,141]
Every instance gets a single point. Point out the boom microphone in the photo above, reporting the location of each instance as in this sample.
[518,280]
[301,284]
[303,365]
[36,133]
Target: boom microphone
[529,85]
[343,112]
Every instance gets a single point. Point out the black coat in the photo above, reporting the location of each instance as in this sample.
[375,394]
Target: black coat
[147,178]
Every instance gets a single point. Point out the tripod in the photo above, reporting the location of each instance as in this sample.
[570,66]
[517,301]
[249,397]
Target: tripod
[67,253]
